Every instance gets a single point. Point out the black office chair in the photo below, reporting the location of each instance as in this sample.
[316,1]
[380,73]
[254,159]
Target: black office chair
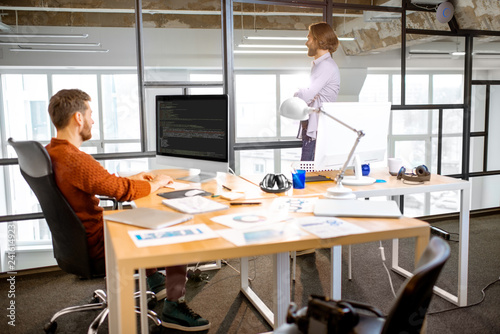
[409,309]
[69,239]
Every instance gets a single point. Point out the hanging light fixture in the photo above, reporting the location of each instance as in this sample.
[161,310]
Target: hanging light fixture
[58,50]
[48,44]
[34,35]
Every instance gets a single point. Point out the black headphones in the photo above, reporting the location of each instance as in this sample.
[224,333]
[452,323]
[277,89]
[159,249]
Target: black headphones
[420,174]
[270,180]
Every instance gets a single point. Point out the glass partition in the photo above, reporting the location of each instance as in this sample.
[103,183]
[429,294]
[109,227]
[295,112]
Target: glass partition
[445,57]
[261,162]
[493,133]
[180,35]
[486,190]
[478,107]
[270,59]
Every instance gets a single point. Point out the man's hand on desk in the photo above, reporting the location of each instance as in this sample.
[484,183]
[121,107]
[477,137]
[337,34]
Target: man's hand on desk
[155,180]
[158,181]
[142,176]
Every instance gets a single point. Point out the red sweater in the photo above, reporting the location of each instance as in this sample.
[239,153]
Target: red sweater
[80,177]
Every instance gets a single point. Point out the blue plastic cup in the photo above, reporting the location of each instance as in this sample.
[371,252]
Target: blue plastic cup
[365,169]
[299,179]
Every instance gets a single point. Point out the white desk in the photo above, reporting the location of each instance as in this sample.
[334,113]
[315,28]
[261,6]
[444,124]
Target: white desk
[394,187]
[123,257]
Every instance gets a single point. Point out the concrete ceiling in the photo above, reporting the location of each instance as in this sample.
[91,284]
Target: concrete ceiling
[374,32]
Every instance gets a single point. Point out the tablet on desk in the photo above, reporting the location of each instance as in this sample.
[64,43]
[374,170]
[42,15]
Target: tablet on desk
[356,208]
[148,218]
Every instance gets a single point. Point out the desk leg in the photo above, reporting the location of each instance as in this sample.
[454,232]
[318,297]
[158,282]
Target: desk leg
[349,263]
[281,287]
[143,301]
[463,255]
[336,273]
[420,245]
[395,242]
[112,286]
[281,282]
[252,296]
[120,292]
[395,254]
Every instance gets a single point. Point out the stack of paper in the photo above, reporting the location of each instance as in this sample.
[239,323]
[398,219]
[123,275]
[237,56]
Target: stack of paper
[194,204]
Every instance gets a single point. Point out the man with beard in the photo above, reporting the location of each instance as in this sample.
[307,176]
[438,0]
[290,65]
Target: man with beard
[324,84]
[80,178]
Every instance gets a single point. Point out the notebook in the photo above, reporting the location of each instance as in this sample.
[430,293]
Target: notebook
[148,218]
[194,204]
[356,208]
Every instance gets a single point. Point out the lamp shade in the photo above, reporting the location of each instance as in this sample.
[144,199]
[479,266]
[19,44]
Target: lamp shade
[295,108]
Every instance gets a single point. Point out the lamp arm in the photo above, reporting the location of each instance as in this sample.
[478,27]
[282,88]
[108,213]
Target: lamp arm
[360,134]
[339,121]
[356,142]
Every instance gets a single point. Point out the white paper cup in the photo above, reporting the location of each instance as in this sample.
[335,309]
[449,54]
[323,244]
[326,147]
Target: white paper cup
[394,165]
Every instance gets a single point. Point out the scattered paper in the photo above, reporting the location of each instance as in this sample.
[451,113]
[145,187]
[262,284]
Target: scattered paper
[328,227]
[284,231]
[172,235]
[247,220]
[194,204]
[294,204]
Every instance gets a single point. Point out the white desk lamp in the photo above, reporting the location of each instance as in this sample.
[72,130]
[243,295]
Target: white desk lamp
[296,108]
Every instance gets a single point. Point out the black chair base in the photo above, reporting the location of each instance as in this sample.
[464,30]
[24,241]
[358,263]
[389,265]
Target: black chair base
[99,302]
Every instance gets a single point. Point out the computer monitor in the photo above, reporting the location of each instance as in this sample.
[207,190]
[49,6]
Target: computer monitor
[334,141]
[192,133]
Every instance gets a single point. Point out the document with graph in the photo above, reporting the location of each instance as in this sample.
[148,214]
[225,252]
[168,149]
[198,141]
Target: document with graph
[328,227]
[172,235]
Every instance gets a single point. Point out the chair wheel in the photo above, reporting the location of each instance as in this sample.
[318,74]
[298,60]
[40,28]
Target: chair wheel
[50,327]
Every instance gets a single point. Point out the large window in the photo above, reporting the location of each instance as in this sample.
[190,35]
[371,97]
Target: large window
[25,117]
[256,107]
[114,104]
[25,101]
[414,132]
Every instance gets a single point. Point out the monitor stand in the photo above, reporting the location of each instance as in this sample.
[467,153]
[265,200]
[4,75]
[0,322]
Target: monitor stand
[358,179]
[198,176]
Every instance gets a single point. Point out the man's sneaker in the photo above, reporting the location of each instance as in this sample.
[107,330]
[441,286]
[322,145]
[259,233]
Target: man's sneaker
[156,283]
[178,315]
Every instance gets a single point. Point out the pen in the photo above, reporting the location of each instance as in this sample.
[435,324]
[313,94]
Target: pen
[226,187]
[244,203]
